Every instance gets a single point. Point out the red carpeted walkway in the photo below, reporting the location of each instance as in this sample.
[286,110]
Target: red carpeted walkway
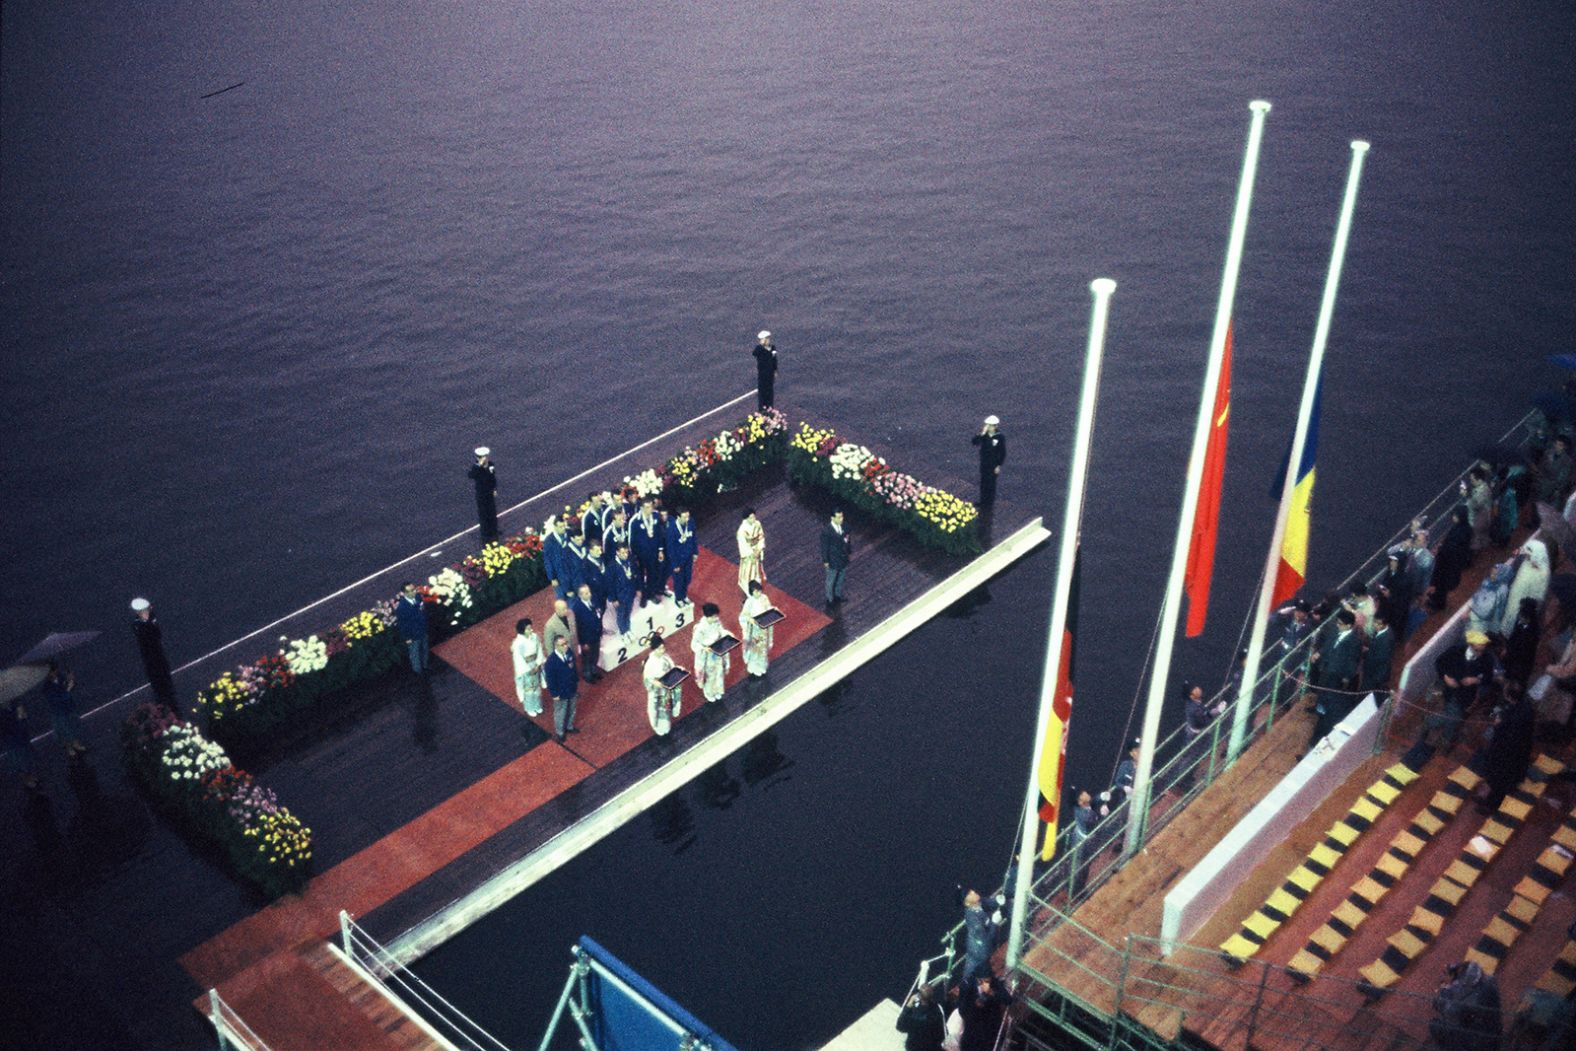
[612,713]
[255,960]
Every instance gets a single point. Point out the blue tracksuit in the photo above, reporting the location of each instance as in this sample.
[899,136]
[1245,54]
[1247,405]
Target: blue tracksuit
[621,577]
[681,558]
[647,540]
[594,572]
[574,567]
[553,548]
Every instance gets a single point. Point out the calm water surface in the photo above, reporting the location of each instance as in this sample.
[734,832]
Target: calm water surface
[249,341]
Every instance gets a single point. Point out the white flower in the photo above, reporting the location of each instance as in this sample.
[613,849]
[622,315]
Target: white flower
[848,460]
[727,445]
[646,483]
[306,655]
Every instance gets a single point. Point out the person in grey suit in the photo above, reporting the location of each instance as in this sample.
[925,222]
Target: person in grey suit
[835,551]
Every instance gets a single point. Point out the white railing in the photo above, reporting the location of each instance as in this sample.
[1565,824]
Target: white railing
[450,1027]
[234,1033]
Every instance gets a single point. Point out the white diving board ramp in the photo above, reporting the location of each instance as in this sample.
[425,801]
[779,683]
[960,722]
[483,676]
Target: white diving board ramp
[876,1030]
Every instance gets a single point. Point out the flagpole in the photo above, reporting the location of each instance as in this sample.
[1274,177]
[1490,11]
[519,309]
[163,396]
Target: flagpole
[1138,811]
[1310,389]
[1050,677]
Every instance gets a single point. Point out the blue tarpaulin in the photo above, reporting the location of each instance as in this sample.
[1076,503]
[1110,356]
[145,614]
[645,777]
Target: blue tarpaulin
[631,1014]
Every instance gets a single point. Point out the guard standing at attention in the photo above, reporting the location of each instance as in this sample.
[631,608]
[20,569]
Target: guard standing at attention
[993,453]
[484,473]
[765,352]
[150,641]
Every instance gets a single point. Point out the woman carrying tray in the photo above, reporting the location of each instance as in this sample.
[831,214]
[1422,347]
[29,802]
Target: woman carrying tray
[757,639]
[662,701]
[711,642]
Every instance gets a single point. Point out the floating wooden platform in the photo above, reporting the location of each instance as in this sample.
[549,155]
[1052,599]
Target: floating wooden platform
[434,800]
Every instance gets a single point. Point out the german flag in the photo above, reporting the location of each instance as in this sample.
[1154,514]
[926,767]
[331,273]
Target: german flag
[1053,757]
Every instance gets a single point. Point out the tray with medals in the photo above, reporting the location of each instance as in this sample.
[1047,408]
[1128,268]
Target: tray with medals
[767,617]
[674,677]
[724,645]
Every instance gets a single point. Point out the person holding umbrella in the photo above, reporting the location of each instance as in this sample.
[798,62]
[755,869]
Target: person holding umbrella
[150,642]
[60,696]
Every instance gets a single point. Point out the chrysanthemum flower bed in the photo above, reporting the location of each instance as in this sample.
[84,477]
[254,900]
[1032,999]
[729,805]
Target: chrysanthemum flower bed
[192,779]
[865,481]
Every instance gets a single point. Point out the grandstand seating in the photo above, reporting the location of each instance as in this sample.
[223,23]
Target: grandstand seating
[1301,881]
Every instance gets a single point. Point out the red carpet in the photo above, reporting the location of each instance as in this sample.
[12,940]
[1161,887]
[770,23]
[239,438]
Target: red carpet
[255,960]
[612,713]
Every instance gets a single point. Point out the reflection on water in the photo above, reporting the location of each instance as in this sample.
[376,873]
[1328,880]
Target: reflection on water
[763,763]
[673,823]
[717,788]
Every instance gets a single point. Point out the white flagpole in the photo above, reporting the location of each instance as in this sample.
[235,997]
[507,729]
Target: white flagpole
[1310,388]
[1072,518]
[1138,810]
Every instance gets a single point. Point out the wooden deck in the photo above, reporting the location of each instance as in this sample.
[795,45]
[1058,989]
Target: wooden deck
[1196,993]
[421,791]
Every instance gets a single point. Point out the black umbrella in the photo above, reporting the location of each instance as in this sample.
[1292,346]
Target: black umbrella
[1563,587]
[1556,530]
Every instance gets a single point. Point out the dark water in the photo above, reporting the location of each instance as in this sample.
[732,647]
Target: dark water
[249,340]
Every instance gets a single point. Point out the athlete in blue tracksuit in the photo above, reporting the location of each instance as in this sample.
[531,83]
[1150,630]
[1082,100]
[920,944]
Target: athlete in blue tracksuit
[646,540]
[681,554]
[621,578]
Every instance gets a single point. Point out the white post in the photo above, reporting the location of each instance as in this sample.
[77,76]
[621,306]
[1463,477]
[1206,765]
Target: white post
[1072,518]
[1138,809]
[344,934]
[1310,388]
[216,1015]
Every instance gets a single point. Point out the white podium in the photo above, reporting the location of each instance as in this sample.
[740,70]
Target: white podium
[667,617]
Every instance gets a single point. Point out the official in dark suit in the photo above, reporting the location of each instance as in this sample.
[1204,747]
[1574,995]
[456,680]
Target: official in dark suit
[1379,657]
[835,551]
[484,474]
[647,538]
[1339,663]
[765,352]
[562,684]
[682,546]
[992,445]
[588,629]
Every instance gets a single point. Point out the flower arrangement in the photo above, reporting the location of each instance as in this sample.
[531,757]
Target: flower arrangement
[192,778]
[864,480]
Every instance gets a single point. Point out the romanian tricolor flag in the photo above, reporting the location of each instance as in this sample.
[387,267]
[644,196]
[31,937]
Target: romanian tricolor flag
[1293,569]
[1053,757]
[1206,519]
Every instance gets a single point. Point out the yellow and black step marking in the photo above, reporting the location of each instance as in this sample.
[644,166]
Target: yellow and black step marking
[1560,978]
[1414,937]
[1256,929]
[1494,944]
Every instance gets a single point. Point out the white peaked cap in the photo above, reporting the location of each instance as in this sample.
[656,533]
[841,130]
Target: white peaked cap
[140,604]
[993,421]
[763,334]
[482,450]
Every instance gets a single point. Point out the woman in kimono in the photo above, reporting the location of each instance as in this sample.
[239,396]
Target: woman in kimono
[752,550]
[757,640]
[662,702]
[528,660]
[711,667]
